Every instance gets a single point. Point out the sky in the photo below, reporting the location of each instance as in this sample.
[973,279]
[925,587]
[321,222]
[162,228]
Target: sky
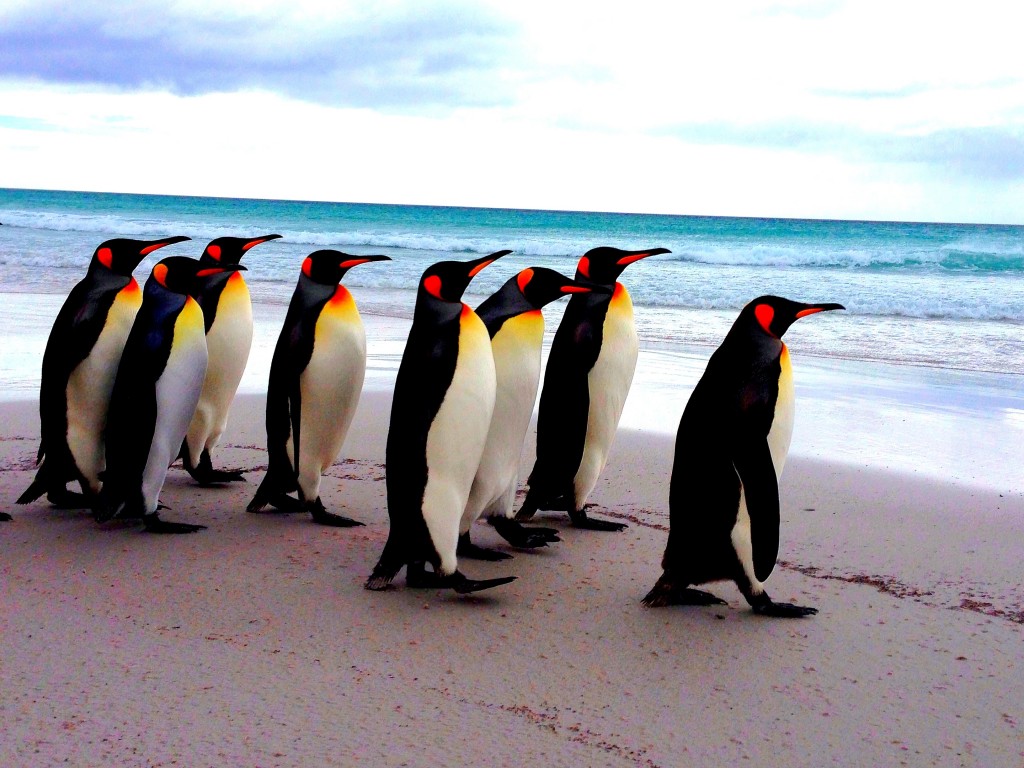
[820,109]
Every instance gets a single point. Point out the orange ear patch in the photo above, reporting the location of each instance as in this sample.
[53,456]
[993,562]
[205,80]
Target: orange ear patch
[432,285]
[307,267]
[214,252]
[160,273]
[584,267]
[105,256]
[523,279]
[764,315]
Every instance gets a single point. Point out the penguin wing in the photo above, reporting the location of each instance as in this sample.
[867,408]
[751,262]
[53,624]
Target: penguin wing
[565,400]
[131,421]
[284,395]
[77,327]
[753,462]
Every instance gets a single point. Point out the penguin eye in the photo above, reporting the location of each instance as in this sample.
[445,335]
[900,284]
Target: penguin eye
[160,273]
[524,279]
[584,267]
[105,256]
[214,251]
[764,314]
[432,285]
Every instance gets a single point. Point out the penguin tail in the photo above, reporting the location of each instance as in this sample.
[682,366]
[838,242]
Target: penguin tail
[35,490]
[269,492]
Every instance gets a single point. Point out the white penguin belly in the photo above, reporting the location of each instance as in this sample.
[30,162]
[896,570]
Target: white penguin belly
[516,349]
[228,342]
[330,387]
[743,544]
[177,392]
[609,382]
[91,383]
[456,438]
[781,432]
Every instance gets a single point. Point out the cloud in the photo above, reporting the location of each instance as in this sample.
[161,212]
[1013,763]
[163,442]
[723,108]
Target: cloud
[412,58]
[978,153]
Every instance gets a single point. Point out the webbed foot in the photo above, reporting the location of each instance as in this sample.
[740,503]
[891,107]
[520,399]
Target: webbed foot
[322,517]
[153,524]
[467,548]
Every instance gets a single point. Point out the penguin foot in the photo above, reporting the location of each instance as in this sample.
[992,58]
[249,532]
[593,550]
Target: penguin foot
[5,518]
[783,610]
[465,586]
[665,593]
[581,520]
[467,548]
[282,504]
[153,524]
[322,517]
[62,498]
[215,476]
[520,536]
[205,474]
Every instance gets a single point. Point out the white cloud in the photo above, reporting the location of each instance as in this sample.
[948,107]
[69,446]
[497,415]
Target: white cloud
[834,109]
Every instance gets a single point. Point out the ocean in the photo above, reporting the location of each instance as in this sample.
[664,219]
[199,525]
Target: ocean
[939,306]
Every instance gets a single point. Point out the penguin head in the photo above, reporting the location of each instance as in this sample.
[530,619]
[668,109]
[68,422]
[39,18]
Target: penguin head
[181,274]
[604,265]
[230,250]
[447,280]
[328,267]
[773,314]
[541,286]
[123,255]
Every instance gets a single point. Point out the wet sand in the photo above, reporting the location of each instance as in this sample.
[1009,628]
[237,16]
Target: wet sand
[254,642]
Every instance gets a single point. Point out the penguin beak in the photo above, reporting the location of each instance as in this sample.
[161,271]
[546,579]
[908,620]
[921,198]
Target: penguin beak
[814,309]
[478,266]
[219,270]
[637,255]
[155,245]
[349,263]
[578,286]
[257,241]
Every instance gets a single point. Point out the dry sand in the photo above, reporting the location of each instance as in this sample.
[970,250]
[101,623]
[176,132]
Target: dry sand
[254,643]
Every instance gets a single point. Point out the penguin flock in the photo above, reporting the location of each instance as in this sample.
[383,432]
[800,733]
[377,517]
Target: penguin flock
[134,379]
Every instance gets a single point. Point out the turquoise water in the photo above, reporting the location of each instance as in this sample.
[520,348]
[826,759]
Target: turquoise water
[921,374]
[939,295]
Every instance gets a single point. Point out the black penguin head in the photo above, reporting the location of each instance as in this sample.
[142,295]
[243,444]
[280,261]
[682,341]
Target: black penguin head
[541,286]
[448,280]
[328,267]
[123,255]
[230,250]
[604,265]
[773,314]
[181,274]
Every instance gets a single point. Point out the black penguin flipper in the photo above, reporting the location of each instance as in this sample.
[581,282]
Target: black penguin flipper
[74,333]
[753,462]
[565,405]
[291,355]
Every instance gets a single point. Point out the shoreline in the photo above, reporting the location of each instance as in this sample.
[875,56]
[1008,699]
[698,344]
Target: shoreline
[942,423]
[254,642]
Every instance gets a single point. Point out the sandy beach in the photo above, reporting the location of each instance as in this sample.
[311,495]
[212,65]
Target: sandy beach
[254,642]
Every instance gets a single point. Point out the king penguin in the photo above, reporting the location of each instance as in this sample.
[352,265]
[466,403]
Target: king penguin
[155,392]
[227,314]
[440,414]
[316,377]
[730,449]
[79,364]
[515,324]
[589,370]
